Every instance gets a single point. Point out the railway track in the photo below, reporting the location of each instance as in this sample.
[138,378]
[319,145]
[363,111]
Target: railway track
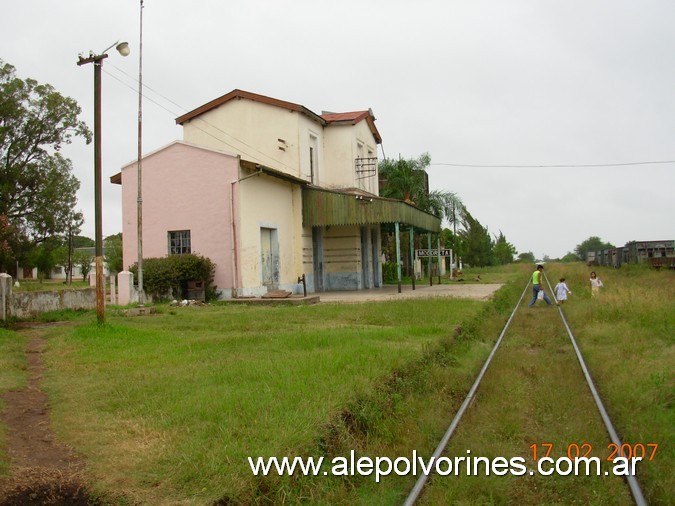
[635,490]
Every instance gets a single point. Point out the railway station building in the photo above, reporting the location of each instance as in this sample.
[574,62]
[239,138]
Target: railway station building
[271,192]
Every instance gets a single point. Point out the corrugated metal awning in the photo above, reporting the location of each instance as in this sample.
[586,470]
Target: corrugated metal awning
[321,208]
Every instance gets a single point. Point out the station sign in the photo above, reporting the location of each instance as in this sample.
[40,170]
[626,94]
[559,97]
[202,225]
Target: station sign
[425,253]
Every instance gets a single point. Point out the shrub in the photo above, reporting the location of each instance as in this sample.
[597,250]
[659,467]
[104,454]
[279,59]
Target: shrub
[389,272]
[169,276]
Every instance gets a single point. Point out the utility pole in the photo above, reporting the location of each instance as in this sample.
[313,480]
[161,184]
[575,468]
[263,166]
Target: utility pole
[97,60]
[139,205]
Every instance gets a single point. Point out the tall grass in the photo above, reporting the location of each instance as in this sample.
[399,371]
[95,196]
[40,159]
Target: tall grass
[411,412]
[535,393]
[627,335]
[167,408]
[33,285]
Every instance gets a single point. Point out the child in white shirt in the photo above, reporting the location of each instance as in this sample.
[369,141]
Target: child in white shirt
[561,291]
[595,284]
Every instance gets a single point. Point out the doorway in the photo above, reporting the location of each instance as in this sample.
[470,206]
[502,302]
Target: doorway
[269,259]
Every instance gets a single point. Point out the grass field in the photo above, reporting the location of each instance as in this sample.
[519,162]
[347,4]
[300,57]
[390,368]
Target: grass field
[628,338]
[534,393]
[12,377]
[166,408]
[34,285]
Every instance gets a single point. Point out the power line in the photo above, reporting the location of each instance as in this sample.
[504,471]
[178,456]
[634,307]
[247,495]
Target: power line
[152,90]
[503,166]
[558,166]
[173,113]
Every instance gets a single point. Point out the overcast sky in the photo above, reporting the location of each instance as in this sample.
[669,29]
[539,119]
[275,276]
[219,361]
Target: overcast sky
[494,83]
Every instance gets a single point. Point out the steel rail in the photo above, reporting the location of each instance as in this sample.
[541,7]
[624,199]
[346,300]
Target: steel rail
[421,481]
[635,489]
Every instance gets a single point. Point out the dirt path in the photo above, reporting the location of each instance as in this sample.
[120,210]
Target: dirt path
[43,470]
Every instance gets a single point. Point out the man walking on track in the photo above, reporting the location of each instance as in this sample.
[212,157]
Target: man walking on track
[537,286]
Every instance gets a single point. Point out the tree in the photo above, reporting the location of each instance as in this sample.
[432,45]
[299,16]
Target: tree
[37,187]
[46,256]
[405,179]
[113,252]
[448,239]
[503,251]
[526,257]
[453,242]
[593,243]
[81,241]
[453,209]
[477,242]
[83,259]
[570,257]
[10,238]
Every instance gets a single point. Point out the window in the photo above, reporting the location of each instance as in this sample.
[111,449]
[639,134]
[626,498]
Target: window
[313,159]
[311,164]
[179,242]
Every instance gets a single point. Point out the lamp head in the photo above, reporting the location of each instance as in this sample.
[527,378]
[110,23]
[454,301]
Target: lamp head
[123,48]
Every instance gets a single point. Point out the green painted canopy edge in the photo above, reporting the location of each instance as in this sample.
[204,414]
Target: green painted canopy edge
[322,208]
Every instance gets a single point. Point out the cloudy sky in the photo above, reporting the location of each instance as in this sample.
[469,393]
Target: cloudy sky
[522,104]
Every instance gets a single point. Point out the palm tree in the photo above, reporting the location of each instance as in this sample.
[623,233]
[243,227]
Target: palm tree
[448,206]
[404,179]
[407,180]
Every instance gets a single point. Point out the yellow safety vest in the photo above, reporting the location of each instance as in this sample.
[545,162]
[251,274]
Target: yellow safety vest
[536,277]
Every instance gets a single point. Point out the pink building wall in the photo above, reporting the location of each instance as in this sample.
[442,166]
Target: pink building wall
[185,187]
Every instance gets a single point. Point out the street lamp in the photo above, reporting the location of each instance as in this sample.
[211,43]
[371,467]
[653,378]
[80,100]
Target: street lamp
[97,60]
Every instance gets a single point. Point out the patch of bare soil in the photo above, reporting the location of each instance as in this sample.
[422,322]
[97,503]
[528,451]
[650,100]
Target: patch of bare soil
[43,470]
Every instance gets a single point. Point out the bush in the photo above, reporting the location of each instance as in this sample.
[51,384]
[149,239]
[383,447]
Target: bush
[169,276]
[389,272]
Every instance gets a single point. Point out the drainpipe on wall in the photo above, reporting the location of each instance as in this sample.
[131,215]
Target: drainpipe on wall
[235,266]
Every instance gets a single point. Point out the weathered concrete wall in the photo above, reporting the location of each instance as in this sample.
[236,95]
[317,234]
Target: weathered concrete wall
[27,304]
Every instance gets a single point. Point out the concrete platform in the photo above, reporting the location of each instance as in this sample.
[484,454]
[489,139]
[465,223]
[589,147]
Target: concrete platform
[293,300]
[479,291]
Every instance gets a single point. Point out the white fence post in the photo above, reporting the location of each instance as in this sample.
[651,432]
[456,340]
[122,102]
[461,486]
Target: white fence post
[5,294]
[126,290]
